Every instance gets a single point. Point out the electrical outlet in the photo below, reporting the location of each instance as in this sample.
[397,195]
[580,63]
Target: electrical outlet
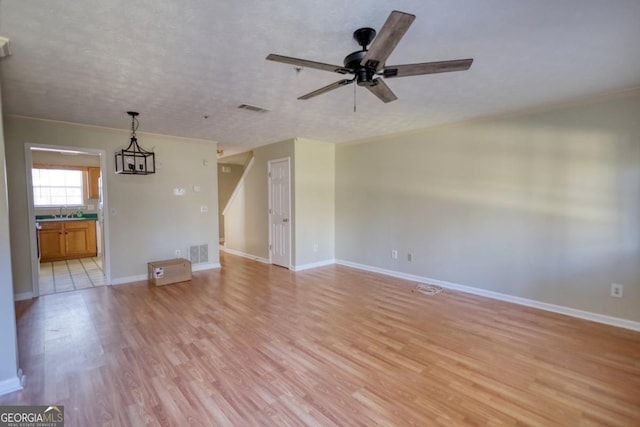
[409,257]
[204,209]
[394,254]
[315,247]
[178,252]
[616,290]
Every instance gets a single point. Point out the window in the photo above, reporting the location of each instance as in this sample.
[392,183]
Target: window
[57,187]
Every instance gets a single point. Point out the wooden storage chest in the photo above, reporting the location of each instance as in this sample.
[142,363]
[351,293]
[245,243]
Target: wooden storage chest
[169,271]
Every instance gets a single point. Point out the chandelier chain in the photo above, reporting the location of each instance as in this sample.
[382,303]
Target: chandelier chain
[134,125]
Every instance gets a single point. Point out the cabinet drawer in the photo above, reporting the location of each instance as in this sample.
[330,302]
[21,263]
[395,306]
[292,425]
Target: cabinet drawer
[74,225]
[51,225]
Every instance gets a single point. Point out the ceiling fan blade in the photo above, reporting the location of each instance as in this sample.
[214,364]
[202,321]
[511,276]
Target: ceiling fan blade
[308,64]
[392,31]
[327,88]
[380,89]
[427,68]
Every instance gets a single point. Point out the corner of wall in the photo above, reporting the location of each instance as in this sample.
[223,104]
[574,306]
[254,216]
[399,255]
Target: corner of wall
[9,376]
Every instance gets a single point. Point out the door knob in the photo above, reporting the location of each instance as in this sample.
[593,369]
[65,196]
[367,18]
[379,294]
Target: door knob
[285,219]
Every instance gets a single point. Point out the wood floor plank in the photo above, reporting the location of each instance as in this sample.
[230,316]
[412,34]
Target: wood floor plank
[257,345]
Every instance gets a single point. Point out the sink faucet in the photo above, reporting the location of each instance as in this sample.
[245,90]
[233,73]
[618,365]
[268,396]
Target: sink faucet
[61,208]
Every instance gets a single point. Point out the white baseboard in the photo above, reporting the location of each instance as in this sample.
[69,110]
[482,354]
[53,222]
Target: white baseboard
[207,266]
[10,385]
[245,255]
[594,317]
[129,279]
[313,265]
[143,277]
[23,296]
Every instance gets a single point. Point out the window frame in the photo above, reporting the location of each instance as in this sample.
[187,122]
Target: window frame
[84,187]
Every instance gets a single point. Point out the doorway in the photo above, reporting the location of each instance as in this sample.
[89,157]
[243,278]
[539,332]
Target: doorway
[280,212]
[69,236]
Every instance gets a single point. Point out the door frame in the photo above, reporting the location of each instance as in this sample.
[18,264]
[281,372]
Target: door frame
[291,220]
[33,245]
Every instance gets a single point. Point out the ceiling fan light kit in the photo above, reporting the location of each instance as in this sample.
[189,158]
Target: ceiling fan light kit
[366,64]
[134,160]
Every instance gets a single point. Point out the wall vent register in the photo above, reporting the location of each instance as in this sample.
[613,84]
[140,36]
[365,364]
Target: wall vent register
[199,254]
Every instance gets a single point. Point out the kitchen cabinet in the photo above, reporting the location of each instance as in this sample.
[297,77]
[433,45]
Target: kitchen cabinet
[51,241]
[93,174]
[61,240]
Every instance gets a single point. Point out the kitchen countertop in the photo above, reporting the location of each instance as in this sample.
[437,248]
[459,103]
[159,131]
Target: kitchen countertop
[52,218]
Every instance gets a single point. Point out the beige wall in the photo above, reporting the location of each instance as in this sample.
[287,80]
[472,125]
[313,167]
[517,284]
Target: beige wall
[542,206]
[227,182]
[246,220]
[315,201]
[8,338]
[150,223]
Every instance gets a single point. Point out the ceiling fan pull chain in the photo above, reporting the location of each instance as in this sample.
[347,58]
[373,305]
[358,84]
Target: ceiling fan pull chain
[354,98]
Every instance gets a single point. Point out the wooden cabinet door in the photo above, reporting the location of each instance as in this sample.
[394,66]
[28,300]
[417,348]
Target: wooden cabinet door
[67,240]
[52,241]
[76,239]
[80,239]
[92,242]
[94,189]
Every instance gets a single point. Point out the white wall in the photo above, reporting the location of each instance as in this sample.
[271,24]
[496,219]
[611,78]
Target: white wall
[314,201]
[150,223]
[542,206]
[227,182]
[8,343]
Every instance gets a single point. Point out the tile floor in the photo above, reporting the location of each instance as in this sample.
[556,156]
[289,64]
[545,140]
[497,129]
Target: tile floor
[69,275]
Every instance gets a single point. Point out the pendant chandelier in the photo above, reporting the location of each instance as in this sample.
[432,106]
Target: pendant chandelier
[133,160]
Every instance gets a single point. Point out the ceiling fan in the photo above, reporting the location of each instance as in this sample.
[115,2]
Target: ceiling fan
[366,63]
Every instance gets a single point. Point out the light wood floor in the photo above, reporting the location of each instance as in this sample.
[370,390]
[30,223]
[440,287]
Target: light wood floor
[253,344]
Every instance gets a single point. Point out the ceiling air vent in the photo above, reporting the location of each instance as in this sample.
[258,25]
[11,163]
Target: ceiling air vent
[252,108]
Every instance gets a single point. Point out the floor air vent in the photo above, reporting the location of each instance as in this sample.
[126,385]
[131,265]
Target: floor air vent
[199,254]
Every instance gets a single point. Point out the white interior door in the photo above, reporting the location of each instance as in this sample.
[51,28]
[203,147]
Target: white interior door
[280,212]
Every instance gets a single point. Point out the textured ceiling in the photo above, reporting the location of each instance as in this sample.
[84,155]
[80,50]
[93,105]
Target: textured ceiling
[176,61]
